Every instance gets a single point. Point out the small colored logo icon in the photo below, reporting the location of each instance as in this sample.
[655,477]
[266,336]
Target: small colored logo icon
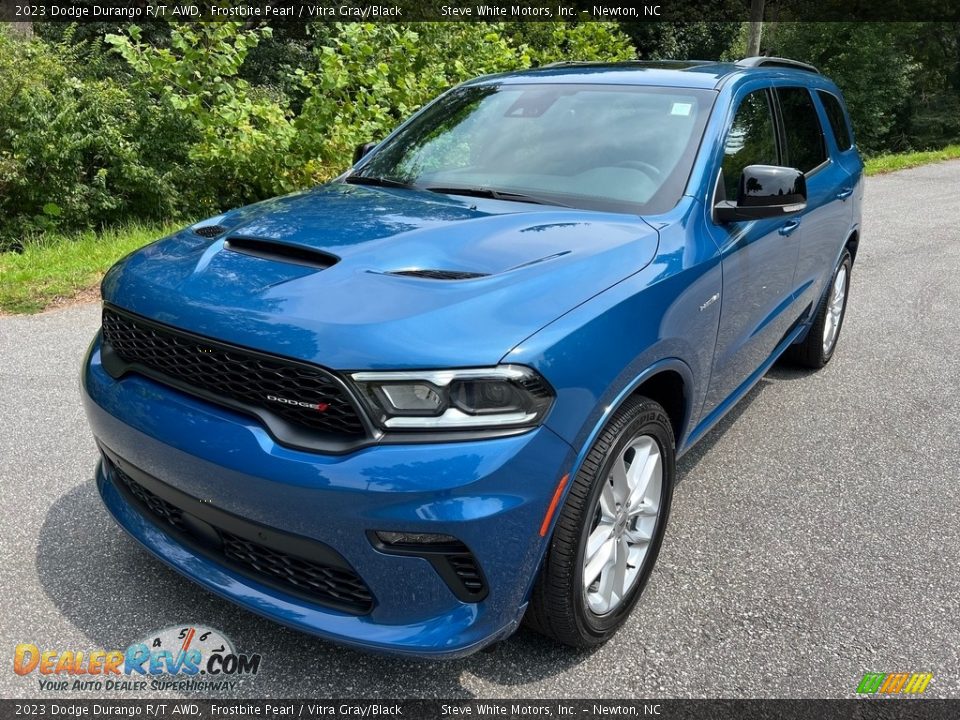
[894,683]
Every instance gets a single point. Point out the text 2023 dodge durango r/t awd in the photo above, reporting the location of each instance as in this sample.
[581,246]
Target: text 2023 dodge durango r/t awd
[446,392]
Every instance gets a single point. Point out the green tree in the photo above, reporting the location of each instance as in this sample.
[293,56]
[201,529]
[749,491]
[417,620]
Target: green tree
[239,135]
[72,149]
[871,62]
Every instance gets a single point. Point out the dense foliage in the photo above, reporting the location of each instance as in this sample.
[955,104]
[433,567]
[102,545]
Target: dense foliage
[101,125]
[130,126]
[901,80]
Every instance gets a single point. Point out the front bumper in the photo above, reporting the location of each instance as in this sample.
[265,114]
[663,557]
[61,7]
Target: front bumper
[490,494]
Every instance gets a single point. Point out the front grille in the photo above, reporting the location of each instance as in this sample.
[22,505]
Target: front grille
[321,580]
[325,584]
[154,503]
[304,395]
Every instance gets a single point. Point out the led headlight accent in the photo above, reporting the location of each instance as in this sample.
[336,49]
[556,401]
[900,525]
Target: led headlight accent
[499,397]
[411,397]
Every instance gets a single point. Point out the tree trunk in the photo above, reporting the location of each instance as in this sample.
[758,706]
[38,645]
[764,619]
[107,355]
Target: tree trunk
[23,29]
[756,27]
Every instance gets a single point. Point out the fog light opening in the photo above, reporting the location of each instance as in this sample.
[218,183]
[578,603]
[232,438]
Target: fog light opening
[450,557]
[410,538]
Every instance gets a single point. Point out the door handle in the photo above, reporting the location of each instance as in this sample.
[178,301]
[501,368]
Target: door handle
[788,227]
[845,193]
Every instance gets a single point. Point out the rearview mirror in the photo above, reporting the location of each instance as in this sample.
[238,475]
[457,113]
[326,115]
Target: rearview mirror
[765,191]
[360,150]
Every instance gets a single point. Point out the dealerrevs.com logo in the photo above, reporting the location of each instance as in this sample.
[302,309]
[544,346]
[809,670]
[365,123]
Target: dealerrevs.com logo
[179,658]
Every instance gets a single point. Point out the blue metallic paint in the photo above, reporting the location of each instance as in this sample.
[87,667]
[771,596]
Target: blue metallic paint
[597,302]
[403,322]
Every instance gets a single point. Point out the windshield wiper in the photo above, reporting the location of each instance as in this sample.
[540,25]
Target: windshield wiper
[374,180]
[495,194]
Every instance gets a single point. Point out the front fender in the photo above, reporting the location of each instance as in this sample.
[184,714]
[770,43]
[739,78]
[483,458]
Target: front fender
[663,317]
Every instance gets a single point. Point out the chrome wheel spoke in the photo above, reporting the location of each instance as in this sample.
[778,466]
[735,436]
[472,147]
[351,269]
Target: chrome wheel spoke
[621,486]
[598,537]
[608,502]
[601,560]
[649,473]
[603,599]
[620,585]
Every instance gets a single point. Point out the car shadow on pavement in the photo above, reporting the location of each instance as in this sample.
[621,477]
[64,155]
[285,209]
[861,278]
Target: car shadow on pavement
[781,371]
[115,593]
[692,458]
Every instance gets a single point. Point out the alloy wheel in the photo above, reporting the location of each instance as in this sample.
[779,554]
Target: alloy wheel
[838,296]
[624,522]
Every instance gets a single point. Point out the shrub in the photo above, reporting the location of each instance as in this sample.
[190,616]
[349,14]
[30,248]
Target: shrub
[236,137]
[71,149]
[172,125]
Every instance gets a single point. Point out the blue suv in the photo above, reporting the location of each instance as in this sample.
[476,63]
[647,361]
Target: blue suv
[445,393]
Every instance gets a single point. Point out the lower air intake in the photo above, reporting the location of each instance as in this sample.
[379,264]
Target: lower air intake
[324,584]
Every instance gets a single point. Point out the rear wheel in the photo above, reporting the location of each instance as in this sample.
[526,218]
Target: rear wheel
[817,348]
[609,531]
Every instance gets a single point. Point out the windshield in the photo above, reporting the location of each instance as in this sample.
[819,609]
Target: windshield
[599,147]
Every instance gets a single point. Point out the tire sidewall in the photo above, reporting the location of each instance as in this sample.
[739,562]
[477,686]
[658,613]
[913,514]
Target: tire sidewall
[650,420]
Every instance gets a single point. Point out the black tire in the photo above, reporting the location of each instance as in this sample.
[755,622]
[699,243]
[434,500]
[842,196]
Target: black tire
[810,353]
[558,608]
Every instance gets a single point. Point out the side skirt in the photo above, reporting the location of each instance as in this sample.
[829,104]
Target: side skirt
[723,408]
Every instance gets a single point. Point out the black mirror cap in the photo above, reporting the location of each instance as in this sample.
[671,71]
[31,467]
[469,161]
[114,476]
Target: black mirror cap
[361,150]
[766,191]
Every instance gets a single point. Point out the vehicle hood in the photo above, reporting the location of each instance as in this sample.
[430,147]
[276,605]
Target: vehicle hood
[536,263]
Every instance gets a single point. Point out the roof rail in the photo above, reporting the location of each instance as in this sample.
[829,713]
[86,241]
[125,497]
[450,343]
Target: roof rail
[663,63]
[762,61]
[562,63]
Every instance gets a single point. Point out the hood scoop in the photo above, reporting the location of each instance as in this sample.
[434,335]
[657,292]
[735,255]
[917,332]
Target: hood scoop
[281,252]
[209,231]
[439,274]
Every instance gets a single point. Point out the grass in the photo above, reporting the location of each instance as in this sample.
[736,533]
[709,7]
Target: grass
[901,161]
[58,268]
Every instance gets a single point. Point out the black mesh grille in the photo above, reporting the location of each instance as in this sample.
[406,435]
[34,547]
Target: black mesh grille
[440,274]
[301,394]
[155,504]
[324,583]
[308,576]
[209,231]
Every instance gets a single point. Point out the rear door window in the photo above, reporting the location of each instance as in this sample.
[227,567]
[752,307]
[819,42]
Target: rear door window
[805,149]
[837,119]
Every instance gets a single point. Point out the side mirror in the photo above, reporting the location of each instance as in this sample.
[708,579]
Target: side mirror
[766,191]
[360,150]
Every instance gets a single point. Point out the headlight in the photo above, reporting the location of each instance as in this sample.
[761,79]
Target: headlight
[476,398]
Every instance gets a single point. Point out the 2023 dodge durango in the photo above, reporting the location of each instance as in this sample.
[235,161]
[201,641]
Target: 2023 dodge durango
[446,392]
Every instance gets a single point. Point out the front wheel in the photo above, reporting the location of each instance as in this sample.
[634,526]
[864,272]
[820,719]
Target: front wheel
[609,531]
[817,347]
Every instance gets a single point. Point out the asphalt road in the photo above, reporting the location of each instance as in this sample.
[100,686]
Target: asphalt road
[815,536]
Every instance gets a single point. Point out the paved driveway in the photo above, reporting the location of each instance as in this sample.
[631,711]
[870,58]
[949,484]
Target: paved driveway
[815,536]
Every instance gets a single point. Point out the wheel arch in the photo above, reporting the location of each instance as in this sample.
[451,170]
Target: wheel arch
[668,388]
[852,243]
[669,381]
